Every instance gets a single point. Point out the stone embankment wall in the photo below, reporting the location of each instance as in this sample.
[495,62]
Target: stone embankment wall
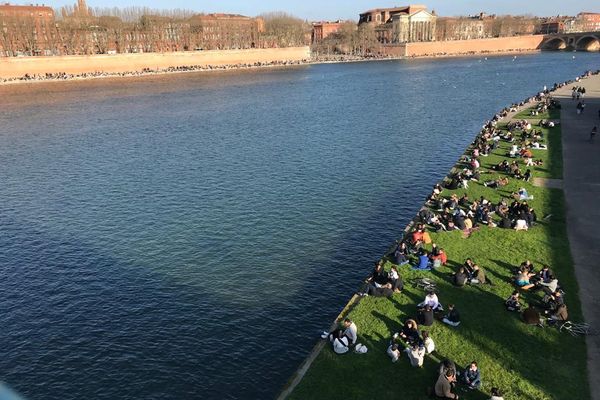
[456,47]
[19,66]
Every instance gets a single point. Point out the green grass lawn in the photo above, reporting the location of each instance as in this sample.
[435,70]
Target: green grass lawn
[525,362]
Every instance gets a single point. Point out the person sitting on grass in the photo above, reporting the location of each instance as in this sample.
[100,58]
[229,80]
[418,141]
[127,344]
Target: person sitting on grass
[453,317]
[432,301]
[340,342]
[496,394]
[444,385]
[512,303]
[531,316]
[437,256]
[410,332]
[544,274]
[425,315]
[394,351]
[461,277]
[477,276]
[559,316]
[395,280]
[417,239]
[522,279]
[550,302]
[378,277]
[428,342]
[401,254]
[416,354]
[550,286]
[423,261]
[472,376]
[344,337]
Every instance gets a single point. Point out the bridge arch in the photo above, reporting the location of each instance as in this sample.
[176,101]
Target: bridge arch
[588,43]
[556,43]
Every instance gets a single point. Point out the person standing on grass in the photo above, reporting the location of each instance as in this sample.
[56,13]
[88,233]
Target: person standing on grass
[593,133]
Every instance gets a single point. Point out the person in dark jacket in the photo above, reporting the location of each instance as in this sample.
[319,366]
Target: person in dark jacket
[425,316]
[453,317]
[472,376]
[443,386]
[460,278]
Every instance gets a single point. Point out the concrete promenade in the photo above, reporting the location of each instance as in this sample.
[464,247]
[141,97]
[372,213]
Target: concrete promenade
[581,175]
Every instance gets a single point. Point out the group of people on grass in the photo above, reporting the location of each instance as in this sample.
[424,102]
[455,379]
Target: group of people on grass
[552,304]
[444,213]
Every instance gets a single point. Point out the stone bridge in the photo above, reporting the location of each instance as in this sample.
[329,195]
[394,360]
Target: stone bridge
[581,41]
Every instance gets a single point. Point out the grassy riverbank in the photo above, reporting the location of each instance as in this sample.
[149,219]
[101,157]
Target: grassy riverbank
[525,362]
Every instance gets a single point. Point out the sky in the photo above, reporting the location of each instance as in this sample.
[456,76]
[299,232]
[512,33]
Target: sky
[349,9]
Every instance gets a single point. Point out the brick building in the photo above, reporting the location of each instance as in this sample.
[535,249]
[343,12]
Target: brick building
[30,29]
[219,31]
[584,22]
[321,30]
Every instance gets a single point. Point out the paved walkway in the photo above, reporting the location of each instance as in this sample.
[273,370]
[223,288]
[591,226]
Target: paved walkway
[582,191]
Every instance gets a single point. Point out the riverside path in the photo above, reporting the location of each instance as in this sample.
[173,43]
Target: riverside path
[581,174]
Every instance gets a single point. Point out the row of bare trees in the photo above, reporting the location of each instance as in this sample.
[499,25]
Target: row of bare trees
[138,29]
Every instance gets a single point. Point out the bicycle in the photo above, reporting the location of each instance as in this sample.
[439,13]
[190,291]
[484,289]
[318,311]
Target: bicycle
[577,329]
[426,284]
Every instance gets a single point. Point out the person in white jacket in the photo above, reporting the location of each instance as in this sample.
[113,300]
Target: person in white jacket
[416,355]
[428,342]
[431,300]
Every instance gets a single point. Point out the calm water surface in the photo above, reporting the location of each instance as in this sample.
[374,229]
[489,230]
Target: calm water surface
[188,236]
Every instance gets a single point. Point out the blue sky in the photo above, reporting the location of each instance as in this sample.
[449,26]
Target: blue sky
[344,9]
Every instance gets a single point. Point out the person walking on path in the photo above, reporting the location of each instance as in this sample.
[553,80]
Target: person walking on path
[593,134]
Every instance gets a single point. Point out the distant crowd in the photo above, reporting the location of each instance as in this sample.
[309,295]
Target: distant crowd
[61,76]
[443,212]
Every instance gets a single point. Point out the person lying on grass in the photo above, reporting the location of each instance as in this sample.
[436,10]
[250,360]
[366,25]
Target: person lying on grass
[381,291]
[495,184]
[453,317]
[472,377]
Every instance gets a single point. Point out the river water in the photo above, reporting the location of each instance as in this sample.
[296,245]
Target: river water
[188,236]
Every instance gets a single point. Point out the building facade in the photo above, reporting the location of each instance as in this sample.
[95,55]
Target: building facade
[321,30]
[401,24]
[26,30]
